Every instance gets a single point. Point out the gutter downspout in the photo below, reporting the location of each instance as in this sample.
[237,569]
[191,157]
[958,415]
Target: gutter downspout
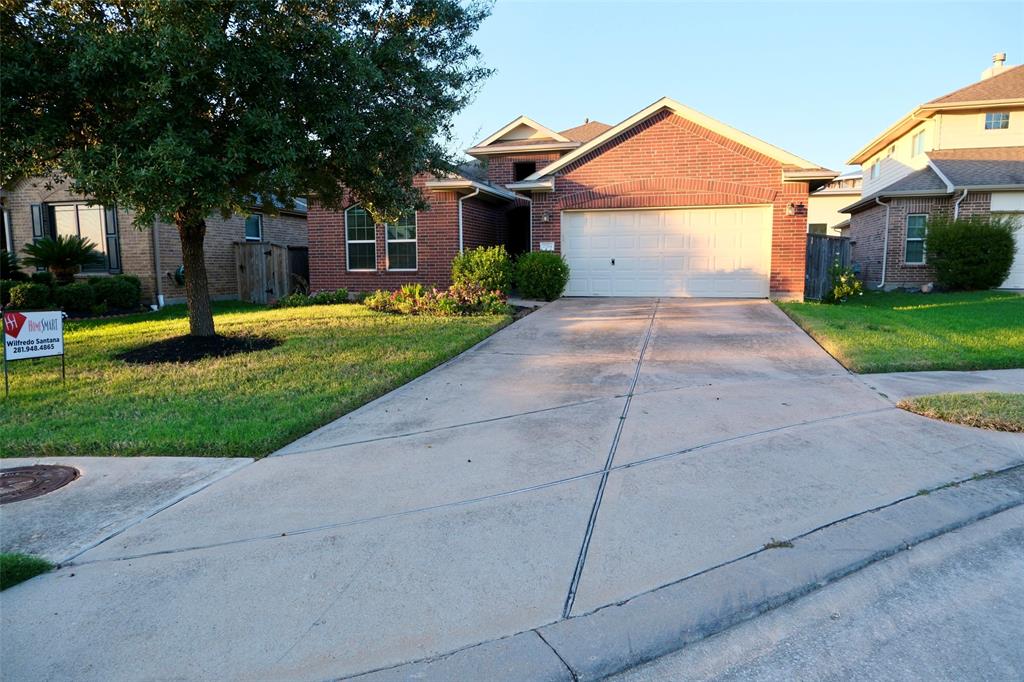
[461,199]
[956,204]
[156,265]
[885,242]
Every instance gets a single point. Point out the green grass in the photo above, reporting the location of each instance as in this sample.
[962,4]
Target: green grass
[999,411]
[893,332]
[17,568]
[332,360]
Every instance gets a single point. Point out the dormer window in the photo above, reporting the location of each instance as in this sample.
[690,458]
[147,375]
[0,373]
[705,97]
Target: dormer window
[997,120]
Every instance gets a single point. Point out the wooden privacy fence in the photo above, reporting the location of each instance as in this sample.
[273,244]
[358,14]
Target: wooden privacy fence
[265,270]
[822,252]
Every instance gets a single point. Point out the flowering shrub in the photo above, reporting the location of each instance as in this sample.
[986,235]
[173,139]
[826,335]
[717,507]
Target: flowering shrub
[459,299]
[844,284]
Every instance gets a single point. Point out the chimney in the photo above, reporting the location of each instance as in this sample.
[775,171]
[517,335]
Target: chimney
[998,66]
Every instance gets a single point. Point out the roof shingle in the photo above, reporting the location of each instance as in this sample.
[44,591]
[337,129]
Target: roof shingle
[1007,85]
[586,132]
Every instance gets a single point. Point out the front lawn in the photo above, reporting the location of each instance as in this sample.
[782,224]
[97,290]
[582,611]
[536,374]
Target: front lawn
[332,359]
[999,411]
[894,332]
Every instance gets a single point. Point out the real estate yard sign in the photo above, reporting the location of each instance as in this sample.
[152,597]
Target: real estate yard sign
[38,334]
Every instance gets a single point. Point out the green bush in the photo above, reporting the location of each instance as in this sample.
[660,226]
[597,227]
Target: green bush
[29,296]
[459,299]
[299,299]
[9,267]
[120,291]
[844,284]
[5,290]
[541,275]
[330,297]
[76,298]
[970,253]
[44,277]
[489,267]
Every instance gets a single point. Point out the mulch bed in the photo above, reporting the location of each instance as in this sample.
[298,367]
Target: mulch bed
[191,348]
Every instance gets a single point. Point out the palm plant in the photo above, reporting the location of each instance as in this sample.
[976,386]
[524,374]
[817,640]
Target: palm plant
[62,256]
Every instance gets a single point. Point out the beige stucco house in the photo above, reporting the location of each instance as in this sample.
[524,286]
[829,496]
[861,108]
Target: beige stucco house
[824,206]
[961,154]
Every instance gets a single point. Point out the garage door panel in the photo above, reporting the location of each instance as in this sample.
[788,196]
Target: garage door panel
[671,252]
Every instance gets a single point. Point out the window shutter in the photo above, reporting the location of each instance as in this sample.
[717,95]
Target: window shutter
[40,224]
[113,238]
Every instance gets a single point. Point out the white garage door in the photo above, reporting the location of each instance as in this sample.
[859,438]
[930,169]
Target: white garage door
[1015,280]
[715,252]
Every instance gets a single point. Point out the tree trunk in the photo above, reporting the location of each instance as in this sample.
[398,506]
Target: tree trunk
[192,230]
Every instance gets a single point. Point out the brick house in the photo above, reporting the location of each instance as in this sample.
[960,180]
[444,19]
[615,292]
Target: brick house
[33,209]
[961,154]
[669,202]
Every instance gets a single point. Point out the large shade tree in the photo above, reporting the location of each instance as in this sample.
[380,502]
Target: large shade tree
[177,110]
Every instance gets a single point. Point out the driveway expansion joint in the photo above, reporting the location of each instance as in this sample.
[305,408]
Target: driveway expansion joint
[577,575]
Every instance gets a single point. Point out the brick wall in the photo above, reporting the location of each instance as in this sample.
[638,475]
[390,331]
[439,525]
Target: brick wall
[437,242]
[501,167]
[668,161]
[867,234]
[221,235]
[137,244]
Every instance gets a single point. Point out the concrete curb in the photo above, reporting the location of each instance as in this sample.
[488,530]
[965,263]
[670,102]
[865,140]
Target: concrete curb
[620,636]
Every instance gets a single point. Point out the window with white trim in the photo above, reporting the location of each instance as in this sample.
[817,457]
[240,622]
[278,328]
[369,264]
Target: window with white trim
[917,227]
[874,170]
[997,120]
[360,240]
[918,143]
[254,228]
[401,237]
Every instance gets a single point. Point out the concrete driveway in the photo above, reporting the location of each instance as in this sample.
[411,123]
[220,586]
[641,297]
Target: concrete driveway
[591,452]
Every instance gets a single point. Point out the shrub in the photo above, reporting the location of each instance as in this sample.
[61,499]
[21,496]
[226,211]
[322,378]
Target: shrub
[63,256]
[541,275]
[9,268]
[29,296]
[844,284]
[323,298]
[330,297]
[459,299]
[119,291]
[970,253]
[77,298]
[45,277]
[5,290]
[489,267]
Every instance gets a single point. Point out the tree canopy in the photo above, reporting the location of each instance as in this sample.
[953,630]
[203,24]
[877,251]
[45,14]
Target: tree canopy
[161,104]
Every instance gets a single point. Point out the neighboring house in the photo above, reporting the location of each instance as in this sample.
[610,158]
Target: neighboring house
[33,209]
[959,155]
[669,202]
[824,214]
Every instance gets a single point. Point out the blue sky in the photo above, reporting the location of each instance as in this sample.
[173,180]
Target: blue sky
[817,79]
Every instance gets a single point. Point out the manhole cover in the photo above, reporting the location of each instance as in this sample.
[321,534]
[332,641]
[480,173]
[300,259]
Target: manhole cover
[23,483]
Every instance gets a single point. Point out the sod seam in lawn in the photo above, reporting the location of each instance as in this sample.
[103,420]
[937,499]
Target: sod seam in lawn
[332,360]
[894,332]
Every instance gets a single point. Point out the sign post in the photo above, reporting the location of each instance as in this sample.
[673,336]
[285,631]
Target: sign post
[35,334]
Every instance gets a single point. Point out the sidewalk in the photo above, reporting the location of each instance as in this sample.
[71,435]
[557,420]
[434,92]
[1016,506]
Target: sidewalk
[899,385]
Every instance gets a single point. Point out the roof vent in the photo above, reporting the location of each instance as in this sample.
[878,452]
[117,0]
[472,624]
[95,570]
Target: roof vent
[998,65]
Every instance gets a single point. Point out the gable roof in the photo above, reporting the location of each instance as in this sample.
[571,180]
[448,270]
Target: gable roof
[1007,84]
[586,132]
[954,170]
[703,120]
[1003,89]
[511,138]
